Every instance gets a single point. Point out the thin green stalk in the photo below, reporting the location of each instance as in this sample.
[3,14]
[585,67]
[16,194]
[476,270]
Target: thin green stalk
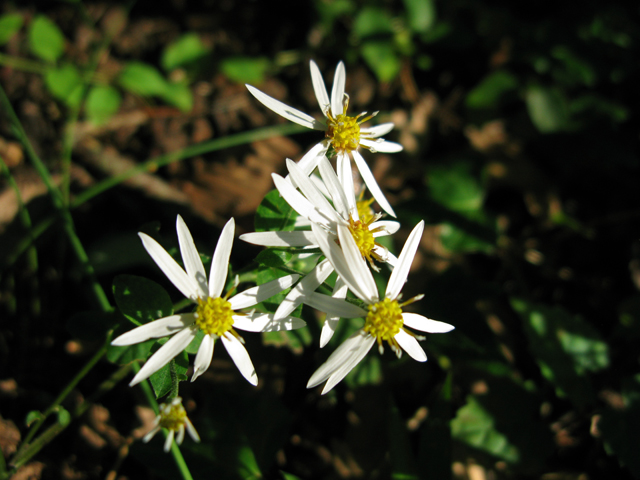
[23,64]
[192,151]
[175,450]
[3,466]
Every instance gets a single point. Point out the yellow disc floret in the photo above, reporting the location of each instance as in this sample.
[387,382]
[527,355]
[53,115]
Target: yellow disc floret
[384,321]
[343,130]
[365,212]
[363,237]
[214,316]
[173,416]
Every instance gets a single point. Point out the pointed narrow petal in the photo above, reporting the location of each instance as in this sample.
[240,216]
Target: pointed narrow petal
[165,354]
[362,349]
[377,131]
[331,321]
[315,196]
[388,257]
[425,324]
[401,272]
[345,174]
[168,441]
[170,267]
[358,266]
[337,90]
[371,183]
[335,307]
[240,357]
[340,356]
[284,110]
[180,437]
[410,345]
[192,431]
[381,146]
[299,203]
[309,161]
[255,295]
[220,261]
[155,329]
[152,432]
[319,88]
[388,227]
[334,186]
[266,322]
[305,287]
[280,239]
[191,257]
[203,357]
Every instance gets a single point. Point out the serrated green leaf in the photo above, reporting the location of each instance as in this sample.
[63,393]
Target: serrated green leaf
[143,79]
[382,58]
[10,23]
[45,39]
[103,101]
[65,83]
[179,95]
[274,213]
[245,69]
[184,51]
[141,300]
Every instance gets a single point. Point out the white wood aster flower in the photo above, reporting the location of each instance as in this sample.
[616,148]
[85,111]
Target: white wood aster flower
[343,133]
[173,417]
[385,322]
[216,315]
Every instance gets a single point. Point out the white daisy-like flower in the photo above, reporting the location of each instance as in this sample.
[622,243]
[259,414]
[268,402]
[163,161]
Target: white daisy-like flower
[385,320]
[313,205]
[343,133]
[216,316]
[174,418]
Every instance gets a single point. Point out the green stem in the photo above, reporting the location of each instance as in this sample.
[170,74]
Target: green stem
[175,450]
[23,64]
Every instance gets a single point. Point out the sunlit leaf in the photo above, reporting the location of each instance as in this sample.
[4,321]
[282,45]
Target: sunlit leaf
[245,69]
[382,58]
[45,39]
[274,213]
[65,83]
[372,21]
[274,257]
[179,95]
[421,14]
[141,300]
[184,51]
[103,101]
[142,79]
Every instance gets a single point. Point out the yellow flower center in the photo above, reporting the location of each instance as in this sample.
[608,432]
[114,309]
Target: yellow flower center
[344,132]
[214,316]
[384,321]
[363,237]
[365,212]
[173,416]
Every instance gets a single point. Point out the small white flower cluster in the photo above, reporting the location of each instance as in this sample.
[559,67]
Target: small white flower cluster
[332,222]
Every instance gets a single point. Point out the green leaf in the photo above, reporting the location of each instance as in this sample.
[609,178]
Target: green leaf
[163,381]
[491,89]
[128,354]
[367,372]
[184,51]
[274,213]
[455,186]
[372,21]
[274,257]
[64,417]
[32,416]
[245,69]
[382,59]
[45,39]
[92,326]
[294,340]
[65,83]
[103,101]
[10,23]
[547,108]
[141,300]
[143,79]
[421,14]
[179,95]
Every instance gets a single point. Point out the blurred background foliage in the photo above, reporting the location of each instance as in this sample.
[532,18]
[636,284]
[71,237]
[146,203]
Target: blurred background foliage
[520,128]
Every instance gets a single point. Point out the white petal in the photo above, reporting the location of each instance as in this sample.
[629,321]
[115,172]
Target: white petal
[342,355]
[377,131]
[315,196]
[389,227]
[170,267]
[306,286]
[155,329]
[220,261]
[334,186]
[310,159]
[319,88]
[180,436]
[386,256]
[337,90]
[331,321]
[345,174]
[371,183]
[290,113]
[381,146]
[151,433]
[168,441]
[336,307]
[240,357]
[357,266]
[255,295]
[192,430]
[191,257]
[266,322]
[203,357]
[425,324]
[410,345]
[319,184]
[401,271]
[280,239]
[165,354]
[359,353]
[299,203]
